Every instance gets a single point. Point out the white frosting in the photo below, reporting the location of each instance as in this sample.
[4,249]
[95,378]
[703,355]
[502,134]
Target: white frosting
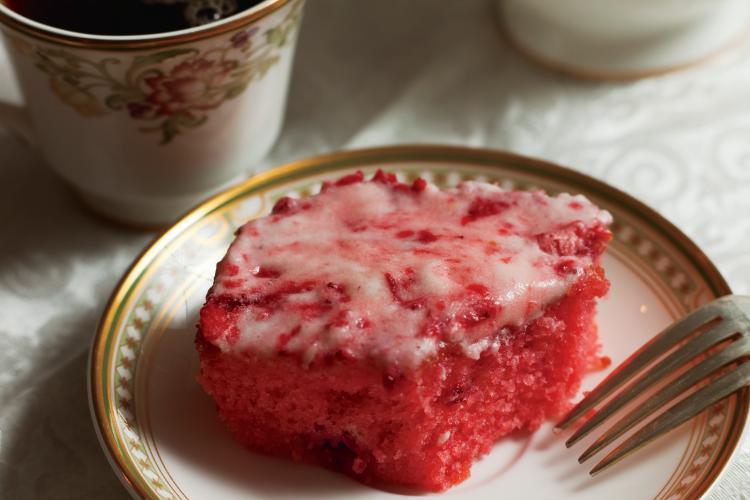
[459,283]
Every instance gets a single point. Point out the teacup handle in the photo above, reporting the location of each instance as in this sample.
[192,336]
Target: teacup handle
[17,118]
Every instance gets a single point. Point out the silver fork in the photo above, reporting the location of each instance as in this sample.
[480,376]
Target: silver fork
[716,336]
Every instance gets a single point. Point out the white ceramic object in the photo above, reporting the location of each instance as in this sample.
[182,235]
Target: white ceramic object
[144,127]
[622,38]
[162,434]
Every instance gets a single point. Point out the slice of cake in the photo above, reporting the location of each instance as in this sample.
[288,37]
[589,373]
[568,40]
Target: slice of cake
[394,332]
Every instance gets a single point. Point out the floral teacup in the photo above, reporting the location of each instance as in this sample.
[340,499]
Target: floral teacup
[143,127]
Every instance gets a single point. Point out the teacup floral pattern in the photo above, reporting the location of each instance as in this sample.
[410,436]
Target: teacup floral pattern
[169,91]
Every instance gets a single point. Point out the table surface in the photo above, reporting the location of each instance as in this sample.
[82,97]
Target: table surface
[366,74]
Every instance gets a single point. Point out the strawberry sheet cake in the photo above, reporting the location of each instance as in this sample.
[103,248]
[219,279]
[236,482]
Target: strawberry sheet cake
[395,332]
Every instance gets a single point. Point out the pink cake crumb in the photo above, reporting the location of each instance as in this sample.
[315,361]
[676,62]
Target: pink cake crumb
[395,332]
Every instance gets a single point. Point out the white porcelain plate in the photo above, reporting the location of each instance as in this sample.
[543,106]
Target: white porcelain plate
[163,437]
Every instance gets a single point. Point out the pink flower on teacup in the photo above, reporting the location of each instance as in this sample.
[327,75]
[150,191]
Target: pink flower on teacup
[142,110]
[241,39]
[188,86]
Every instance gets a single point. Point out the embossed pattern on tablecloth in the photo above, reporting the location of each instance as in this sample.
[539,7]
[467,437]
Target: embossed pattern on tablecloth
[367,73]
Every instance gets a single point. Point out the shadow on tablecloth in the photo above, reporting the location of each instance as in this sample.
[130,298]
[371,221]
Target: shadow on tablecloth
[50,444]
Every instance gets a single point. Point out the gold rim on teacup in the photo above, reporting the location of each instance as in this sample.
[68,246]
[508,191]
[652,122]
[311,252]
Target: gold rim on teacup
[44,32]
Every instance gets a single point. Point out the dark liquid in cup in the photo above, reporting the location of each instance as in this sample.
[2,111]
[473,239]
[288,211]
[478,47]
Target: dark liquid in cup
[124,17]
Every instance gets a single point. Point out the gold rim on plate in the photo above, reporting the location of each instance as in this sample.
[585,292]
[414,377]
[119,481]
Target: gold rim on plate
[101,401]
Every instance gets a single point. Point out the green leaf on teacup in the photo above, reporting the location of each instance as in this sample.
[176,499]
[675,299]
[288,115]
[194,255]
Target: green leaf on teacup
[275,37]
[190,120]
[23,46]
[43,68]
[265,64]
[83,102]
[71,60]
[158,57]
[116,102]
[233,92]
[169,131]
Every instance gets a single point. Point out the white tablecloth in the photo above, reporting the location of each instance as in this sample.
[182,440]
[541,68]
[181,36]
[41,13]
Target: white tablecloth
[367,73]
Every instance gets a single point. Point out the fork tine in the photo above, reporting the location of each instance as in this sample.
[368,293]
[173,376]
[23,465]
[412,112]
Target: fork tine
[668,393]
[679,413]
[674,360]
[642,357]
